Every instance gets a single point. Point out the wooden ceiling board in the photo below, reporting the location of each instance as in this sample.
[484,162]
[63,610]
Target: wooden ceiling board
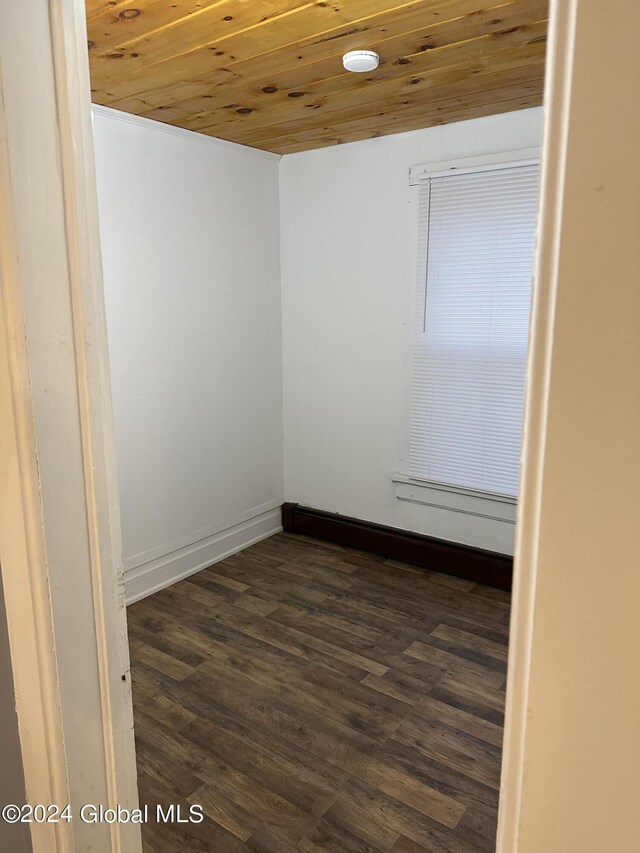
[124,74]
[394,96]
[332,95]
[398,34]
[476,111]
[268,73]
[344,133]
[316,79]
[426,111]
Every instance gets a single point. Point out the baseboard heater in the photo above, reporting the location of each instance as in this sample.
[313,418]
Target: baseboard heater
[439,555]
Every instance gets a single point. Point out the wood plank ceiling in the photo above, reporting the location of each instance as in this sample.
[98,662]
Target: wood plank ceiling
[268,73]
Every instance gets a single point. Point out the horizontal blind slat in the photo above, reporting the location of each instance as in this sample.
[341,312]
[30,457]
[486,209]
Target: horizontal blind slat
[474,271]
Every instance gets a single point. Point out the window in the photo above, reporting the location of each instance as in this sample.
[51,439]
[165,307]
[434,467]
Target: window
[475,264]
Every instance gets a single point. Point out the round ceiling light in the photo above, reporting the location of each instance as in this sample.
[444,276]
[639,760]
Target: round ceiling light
[361,60]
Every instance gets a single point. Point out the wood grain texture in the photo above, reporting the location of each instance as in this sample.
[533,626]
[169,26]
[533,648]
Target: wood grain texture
[315,698]
[268,73]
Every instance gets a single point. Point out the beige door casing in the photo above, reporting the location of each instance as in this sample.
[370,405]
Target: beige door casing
[59,516]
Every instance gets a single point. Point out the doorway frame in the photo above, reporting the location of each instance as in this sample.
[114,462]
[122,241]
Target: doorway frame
[59,510]
[570,764]
[46,73]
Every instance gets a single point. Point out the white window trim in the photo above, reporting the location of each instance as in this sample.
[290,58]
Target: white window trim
[444,496]
[455,499]
[517,157]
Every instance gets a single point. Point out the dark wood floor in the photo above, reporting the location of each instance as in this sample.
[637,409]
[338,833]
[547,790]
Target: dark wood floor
[314,698]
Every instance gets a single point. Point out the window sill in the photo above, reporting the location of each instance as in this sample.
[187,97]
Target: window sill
[483,504]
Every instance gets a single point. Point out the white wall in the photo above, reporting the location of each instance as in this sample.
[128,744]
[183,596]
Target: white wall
[347,297]
[190,242]
[192,253]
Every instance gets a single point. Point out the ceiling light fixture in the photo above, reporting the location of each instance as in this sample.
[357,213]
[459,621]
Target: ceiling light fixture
[360,60]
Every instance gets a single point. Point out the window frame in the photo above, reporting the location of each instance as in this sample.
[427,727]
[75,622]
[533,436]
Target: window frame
[422,491]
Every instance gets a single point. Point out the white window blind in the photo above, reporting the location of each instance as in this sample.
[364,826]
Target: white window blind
[475,266]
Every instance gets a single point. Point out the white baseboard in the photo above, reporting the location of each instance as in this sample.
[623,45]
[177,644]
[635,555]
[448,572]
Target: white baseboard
[166,570]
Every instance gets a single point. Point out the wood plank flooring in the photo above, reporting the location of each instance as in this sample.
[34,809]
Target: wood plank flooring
[314,698]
